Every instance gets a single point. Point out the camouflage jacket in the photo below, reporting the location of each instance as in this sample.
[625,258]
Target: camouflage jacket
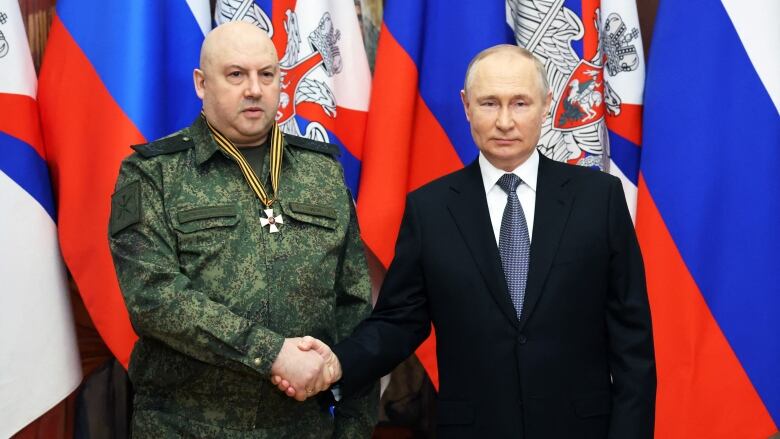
[212,294]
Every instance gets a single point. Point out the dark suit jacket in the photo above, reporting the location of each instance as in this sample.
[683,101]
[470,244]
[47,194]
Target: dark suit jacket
[578,364]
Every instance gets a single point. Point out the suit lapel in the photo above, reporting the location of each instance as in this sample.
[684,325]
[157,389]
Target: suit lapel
[468,206]
[553,204]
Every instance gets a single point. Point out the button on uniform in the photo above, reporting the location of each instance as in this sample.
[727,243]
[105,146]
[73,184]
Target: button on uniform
[256,361]
[522,339]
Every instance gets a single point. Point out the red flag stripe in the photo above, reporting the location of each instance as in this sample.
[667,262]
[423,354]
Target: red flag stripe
[19,118]
[85,144]
[697,369]
[628,124]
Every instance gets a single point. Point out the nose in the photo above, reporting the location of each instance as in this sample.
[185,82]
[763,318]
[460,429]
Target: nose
[253,89]
[504,119]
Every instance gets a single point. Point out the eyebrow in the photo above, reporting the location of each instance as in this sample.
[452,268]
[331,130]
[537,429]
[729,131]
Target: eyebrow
[492,96]
[240,67]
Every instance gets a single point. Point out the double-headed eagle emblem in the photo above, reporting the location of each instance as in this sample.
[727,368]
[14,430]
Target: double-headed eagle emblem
[575,131]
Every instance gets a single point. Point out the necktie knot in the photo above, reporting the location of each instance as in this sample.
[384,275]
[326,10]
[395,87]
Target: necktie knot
[509,183]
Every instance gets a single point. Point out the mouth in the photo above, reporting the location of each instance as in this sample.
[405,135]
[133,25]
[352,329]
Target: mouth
[503,141]
[253,112]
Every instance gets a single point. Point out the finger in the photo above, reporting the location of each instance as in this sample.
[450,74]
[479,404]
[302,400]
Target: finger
[284,385]
[331,373]
[290,391]
[306,343]
[276,379]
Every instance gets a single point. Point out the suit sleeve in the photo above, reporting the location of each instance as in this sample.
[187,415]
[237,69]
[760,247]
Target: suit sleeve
[631,354]
[400,321]
[160,299]
[355,414]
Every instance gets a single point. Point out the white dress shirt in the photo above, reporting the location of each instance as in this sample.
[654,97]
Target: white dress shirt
[528,171]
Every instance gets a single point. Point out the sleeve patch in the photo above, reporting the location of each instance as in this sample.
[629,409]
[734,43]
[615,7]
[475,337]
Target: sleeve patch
[125,208]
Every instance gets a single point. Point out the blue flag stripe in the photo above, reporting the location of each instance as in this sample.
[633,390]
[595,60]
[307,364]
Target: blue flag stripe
[22,164]
[144,51]
[453,35]
[626,155]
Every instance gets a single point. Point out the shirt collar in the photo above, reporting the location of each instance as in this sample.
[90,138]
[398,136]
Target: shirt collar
[528,171]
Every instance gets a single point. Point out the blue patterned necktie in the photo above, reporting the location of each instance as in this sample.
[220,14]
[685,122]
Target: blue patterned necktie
[514,244]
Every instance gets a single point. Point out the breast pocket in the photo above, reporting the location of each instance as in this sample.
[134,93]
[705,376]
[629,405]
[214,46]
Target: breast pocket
[205,230]
[312,214]
[312,238]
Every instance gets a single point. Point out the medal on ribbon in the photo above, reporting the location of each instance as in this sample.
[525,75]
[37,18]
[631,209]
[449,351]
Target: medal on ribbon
[271,220]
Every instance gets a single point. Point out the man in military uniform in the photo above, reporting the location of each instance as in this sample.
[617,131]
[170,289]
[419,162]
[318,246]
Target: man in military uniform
[229,238]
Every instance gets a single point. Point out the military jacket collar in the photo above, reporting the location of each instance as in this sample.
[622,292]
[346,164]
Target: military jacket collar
[206,146]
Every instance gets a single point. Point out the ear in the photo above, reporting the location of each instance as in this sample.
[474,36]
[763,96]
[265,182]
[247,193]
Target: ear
[465,101]
[200,82]
[547,103]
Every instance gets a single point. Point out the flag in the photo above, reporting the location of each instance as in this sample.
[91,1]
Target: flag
[707,217]
[39,360]
[417,130]
[113,75]
[593,55]
[326,80]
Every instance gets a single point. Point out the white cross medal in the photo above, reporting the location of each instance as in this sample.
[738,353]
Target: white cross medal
[271,221]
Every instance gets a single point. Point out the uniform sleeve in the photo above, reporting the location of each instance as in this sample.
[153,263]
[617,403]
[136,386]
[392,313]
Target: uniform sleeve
[631,356]
[160,299]
[356,414]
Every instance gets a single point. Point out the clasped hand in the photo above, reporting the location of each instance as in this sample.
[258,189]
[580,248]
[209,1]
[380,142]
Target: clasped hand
[304,367]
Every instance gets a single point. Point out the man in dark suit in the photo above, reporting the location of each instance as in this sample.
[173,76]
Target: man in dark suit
[531,274]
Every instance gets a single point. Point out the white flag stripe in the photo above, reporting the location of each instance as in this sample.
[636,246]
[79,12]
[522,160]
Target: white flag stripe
[629,85]
[756,24]
[39,361]
[16,67]
[200,10]
[352,86]
[629,189]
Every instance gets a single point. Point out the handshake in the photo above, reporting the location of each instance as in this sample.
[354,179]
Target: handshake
[304,367]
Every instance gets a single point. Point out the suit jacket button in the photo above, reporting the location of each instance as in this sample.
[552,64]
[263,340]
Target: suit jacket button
[521,339]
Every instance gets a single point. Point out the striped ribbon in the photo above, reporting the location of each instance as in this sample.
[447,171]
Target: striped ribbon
[254,182]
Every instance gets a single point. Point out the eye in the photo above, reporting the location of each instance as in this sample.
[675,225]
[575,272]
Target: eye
[488,104]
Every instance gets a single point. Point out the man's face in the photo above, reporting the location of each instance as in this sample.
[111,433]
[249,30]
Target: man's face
[239,86]
[505,107]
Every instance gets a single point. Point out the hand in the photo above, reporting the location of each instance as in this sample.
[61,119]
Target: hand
[331,370]
[303,370]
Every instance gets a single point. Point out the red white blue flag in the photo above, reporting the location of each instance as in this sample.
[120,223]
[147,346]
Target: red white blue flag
[326,81]
[707,216]
[39,360]
[417,130]
[113,75]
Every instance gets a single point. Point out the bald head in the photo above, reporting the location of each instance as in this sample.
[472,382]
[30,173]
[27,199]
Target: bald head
[507,52]
[237,36]
[239,82]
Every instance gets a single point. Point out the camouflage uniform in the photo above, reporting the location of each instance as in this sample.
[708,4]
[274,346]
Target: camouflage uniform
[212,294]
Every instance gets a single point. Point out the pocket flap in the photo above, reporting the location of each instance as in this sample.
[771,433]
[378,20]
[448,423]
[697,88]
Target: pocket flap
[205,217]
[320,215]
